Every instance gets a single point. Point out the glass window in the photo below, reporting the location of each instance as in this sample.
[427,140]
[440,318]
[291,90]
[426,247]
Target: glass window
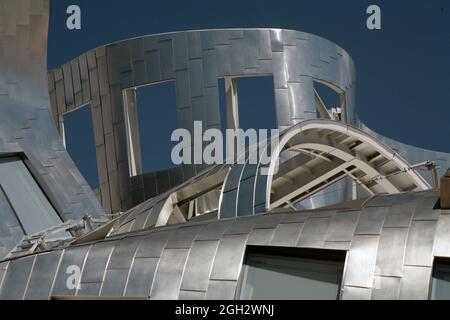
[289,277]
[441,282]
[24,197]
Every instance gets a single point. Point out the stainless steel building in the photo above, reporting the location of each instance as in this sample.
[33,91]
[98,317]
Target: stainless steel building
[350,214]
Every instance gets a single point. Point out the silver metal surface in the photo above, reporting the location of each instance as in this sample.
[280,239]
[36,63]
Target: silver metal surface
[70,257]
[286,235]
[16,279]
[169,273]
[391,255]
[362,261]
[141,277]
[196,60]
[415,283]
[42,277]
[386,288]
[199,265]
[377,263]
[157,249]
[229,257]
[27,127]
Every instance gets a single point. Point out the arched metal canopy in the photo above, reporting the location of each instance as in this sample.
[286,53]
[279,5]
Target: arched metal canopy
[319,153]
[316,153]
[335,151]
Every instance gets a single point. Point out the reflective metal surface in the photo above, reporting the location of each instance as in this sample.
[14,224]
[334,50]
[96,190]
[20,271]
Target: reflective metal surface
[187,230]
[27,126]
[382,263]
[196,60]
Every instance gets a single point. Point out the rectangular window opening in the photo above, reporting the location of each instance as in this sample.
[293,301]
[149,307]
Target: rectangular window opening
[80,142]
[151,117]
[440,283]
[255,98]
[272,273]
[328,100]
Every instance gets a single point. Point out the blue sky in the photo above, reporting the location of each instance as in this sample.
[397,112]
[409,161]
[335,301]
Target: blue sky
[403,70]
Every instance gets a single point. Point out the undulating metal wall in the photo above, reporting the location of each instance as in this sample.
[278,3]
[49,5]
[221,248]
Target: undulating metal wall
[390,243]
[26,124]
[195,60]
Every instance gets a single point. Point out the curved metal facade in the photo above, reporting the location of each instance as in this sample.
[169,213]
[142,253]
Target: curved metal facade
[196,60]
[159,249]
[390,243]
[26,125]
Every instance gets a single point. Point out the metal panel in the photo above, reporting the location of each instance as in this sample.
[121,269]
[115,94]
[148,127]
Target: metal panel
[415,283]
[260,237]
[122,256]
[68,86]
[245,198]
[337,245]
[194,45]
[152,245]
[90,289]
[386,288]
[221,290]
[296,217]
[286,235]
[43,275]
[191,295]
[268,221]
[141,277]
[196,78]
[114,282]
[183,237]
[442,238]
[419,248]
[210,68]
[168,275]
[314,232]
[371,220]
[16,279]
[75,256]
[98,257]
[355,293]
[342,226]
[234,177]
[241,226]
[214,230]
[228,205]
[229,257]
[166,58]
[76,82]
[391,252]
[400,215]
[180,50]
[425,209]
[361,261]
[153,65]
[198,266]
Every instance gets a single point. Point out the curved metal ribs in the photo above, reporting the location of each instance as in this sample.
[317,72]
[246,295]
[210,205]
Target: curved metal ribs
[335,151]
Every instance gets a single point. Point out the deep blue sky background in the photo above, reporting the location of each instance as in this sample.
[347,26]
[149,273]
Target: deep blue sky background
[403,70]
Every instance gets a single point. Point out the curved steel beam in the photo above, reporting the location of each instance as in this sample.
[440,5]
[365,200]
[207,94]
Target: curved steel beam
[354,149]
